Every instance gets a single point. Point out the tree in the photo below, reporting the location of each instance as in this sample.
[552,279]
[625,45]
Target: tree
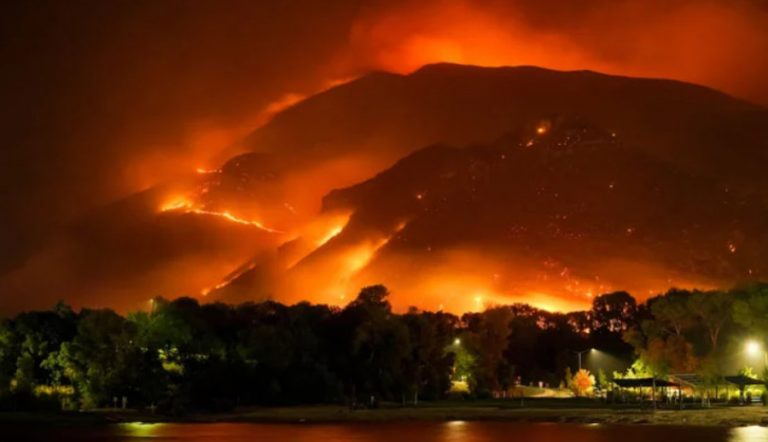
[102,360]
[751,311]
[373,298]
[613,312]
[432,356]
[36,336]
[488,338]
[582,383]
[612,315]
[660,341]
[713,310]
[376,344]
[7,355]
[603,382]
[672,311]
[671,354]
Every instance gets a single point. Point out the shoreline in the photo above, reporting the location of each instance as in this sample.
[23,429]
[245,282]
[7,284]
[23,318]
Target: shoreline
[329,414]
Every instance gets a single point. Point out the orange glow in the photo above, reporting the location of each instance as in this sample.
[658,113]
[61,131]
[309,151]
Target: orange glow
[316,234]
[623,38]
[180,203]
[331,270]
[229,278]
[359,257]
[184,205]
[330,235]
[406,38]
[280,104]
[462,280]
[543,127]
[313,236]
[326,257]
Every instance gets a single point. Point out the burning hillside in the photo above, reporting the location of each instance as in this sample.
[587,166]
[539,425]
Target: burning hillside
[553,214]
[574,184]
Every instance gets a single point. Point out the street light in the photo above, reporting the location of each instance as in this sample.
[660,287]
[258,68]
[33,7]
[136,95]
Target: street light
[579,353]
[754,349]
[457,341]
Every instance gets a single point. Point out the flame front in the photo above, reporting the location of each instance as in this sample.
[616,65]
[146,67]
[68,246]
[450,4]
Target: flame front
[185,205]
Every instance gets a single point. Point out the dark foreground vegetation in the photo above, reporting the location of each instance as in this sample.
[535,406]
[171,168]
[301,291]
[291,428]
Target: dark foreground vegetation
[182,357]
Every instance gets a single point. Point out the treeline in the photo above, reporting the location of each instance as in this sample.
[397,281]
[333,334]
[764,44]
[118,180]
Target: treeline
[713,334]
[181,356]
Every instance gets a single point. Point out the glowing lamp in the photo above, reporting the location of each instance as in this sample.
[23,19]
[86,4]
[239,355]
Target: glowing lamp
[753,348]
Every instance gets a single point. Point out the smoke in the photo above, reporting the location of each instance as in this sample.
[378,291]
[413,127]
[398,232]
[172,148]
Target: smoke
[105,99]
[715,43]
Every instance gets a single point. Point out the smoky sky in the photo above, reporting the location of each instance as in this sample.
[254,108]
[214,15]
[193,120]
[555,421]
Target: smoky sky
[102,99]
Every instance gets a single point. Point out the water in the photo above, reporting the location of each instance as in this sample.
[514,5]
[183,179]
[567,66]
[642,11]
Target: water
[391,432]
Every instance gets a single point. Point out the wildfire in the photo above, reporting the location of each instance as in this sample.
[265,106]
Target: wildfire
[360,256]
[177,204]
[229,278]
[543,127]
[185,205]
[330,235]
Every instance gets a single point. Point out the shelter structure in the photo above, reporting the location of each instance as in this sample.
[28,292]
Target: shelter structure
[742,382]
[653,383]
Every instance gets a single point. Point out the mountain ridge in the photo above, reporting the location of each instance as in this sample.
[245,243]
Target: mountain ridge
[313,153]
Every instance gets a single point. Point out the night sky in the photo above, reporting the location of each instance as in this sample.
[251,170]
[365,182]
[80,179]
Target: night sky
[103,100]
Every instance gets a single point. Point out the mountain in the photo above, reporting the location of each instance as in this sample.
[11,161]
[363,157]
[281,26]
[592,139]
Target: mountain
[346,134]
[128,252]
[553,214]
[268,223]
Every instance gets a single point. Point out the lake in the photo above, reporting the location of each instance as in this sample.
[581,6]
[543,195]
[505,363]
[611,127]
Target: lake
[456,431]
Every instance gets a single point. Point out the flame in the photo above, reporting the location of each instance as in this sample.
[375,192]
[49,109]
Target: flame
[330,271]
[543,127]
[359,257]
[180,203]
[313,236]
[185,205]
[317,233]
[229,278]
[330,235]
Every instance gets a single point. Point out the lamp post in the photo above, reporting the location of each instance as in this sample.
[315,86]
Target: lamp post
[754,348]
[579,353]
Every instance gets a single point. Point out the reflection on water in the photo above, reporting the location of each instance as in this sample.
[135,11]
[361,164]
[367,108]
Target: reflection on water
[752,433]
[456,431]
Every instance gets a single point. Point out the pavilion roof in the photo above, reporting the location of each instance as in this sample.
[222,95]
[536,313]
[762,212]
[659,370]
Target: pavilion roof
[742,380]
[691,379]
[644,382]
